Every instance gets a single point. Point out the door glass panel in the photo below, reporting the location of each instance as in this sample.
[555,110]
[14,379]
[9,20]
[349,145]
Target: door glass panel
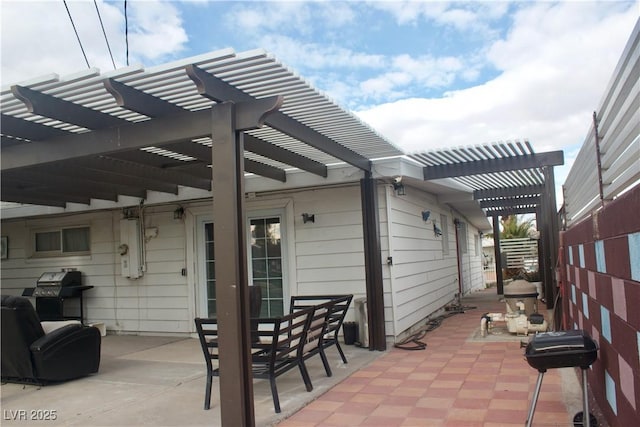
[210,269]
[266,264]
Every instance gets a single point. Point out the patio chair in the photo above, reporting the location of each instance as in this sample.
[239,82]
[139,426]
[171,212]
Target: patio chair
[339,304]
[29,355]
[280,348]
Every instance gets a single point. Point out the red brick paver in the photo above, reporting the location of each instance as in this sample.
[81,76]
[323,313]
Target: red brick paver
[455,381]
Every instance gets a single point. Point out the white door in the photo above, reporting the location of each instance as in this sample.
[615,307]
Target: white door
[266,257]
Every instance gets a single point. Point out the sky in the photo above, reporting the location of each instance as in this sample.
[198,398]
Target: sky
[424,74]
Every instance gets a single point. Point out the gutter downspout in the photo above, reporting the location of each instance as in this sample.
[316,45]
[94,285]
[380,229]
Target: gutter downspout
[456,224]
[388,200]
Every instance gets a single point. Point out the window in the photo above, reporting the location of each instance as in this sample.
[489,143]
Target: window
[65,241]
[445,234]
[462,237]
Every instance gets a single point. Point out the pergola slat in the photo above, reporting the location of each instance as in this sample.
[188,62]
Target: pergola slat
[511,201]
[218,90]
[511,211]
[26,129]
[507,192]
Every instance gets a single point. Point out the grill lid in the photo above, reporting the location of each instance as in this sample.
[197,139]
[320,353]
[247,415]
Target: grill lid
[561,349]
[60,278]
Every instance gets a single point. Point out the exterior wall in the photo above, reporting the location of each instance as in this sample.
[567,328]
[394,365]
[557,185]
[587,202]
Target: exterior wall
[156,302]
[601,288]
[324,257]
[423,276]
[472,273]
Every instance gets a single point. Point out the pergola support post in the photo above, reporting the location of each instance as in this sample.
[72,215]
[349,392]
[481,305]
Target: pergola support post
[551,243]
[497,255]
[232,288]
[373,263]
[232,294]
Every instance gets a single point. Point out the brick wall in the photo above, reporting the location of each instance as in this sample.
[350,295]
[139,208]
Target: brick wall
[600,280]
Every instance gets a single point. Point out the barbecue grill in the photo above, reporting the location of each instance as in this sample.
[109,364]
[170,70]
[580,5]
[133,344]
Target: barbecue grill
[51,291]
[561,349]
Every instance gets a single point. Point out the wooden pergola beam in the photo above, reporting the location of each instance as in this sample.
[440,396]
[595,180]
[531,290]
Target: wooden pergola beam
[217,90]
[478,167]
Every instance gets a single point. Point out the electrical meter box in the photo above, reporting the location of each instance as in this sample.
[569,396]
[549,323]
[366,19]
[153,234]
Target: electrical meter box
[130,248]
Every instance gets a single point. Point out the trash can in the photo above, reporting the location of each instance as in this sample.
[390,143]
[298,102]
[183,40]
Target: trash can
[350,331]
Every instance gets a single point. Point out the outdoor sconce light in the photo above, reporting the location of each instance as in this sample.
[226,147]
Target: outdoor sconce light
[308,218]
[178,213]
[426,215]
[398,186]
[436,231]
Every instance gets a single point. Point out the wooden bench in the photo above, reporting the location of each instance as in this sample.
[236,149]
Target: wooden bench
[280,347]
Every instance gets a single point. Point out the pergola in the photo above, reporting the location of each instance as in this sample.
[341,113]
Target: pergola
[506,179]
[203,123]
[198,123]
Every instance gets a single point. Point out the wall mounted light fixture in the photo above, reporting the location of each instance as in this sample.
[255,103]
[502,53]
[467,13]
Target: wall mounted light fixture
[436,231]
[178,213]
[398,186]
[426,215]
[308,218]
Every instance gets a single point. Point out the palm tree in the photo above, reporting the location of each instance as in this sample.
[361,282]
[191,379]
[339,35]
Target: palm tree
[513,229]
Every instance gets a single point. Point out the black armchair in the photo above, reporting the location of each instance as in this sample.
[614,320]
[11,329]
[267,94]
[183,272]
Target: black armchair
[31,356]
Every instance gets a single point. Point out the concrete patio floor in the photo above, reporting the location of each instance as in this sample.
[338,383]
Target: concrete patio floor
[460,379]
[160,381]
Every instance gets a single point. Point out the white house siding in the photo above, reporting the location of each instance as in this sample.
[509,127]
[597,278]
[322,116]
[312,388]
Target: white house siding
[472,272]
[154,303]
[325,257]
[423,277]
[329,253]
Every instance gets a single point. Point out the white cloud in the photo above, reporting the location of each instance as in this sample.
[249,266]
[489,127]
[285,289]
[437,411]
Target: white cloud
[466,17]
[403,71]
[157,30]
[556,63]
[312,55]
[265,17]
[38,38]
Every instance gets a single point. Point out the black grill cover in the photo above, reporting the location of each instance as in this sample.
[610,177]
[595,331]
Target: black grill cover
[561,349]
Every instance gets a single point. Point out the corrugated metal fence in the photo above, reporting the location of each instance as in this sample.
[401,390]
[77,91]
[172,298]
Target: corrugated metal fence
[609,161]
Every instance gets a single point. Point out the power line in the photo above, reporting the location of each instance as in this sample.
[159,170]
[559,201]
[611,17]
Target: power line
[76,31]
[105,34]
[126,31]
